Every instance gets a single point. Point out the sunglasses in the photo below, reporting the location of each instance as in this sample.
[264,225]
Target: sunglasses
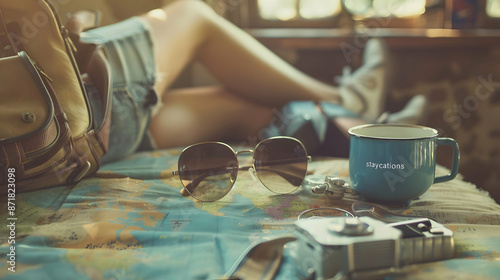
[208,170]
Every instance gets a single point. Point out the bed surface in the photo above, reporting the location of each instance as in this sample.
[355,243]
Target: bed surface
[130,222]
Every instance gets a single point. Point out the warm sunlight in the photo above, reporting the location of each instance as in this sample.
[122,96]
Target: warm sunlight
[385,8]
[399,8]
[493,8]
[158,14]
[277,9]
[316,9]
[298,9]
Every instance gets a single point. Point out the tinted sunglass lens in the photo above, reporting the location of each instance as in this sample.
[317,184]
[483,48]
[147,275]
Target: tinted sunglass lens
[281,164]
[208,170]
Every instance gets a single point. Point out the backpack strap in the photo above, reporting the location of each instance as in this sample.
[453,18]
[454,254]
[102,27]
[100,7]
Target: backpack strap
[99,73]
[7,46]
[90,59]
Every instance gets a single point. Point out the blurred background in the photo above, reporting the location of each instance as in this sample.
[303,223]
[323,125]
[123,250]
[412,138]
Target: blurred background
[447,50]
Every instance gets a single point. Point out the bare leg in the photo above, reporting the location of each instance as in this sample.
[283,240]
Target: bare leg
[188,30]
[252,78]
[207,114]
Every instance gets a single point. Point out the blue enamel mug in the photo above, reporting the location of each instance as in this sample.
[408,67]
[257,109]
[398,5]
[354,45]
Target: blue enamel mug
[395,163]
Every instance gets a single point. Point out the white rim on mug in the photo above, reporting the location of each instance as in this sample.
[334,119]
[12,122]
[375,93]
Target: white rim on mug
[357,131]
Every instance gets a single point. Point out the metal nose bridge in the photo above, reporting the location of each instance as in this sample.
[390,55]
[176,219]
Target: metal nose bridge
[244,152]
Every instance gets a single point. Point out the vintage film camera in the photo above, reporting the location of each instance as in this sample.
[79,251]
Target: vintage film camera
[365,248]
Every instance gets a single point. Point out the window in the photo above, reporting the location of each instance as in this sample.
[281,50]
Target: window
[327,13]
[493,8]
[384,8]
[352,13]
[294,13]
[285,10]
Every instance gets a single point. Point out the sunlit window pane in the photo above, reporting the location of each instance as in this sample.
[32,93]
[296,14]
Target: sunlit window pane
[385,8]
[358,7]
[399,8]
[493,8]
[284,10]
[314,9]
[277,9]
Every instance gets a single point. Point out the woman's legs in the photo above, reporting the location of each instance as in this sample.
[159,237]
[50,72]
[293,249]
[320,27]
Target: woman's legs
[253,79]
[188,30]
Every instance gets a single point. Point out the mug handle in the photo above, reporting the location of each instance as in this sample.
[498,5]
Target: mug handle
[456,158]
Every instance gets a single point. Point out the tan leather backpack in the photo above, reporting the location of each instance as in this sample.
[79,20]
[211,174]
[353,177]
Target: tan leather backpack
[47,134]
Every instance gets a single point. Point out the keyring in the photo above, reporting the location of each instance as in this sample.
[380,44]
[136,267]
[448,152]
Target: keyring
[332,187]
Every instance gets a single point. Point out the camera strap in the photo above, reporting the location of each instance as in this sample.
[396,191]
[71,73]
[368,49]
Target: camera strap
[260,260]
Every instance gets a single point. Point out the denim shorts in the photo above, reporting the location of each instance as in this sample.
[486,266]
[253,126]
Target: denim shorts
[129,49]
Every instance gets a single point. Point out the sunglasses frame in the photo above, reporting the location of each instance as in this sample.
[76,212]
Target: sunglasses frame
[185,191]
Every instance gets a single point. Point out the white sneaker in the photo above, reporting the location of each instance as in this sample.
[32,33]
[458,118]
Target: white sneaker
[414,112]
[364,91]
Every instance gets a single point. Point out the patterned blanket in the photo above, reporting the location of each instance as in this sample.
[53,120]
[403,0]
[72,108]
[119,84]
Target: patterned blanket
[130,222]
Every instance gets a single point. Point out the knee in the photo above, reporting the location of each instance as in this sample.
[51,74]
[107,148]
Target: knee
[196,8]
[191,15]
